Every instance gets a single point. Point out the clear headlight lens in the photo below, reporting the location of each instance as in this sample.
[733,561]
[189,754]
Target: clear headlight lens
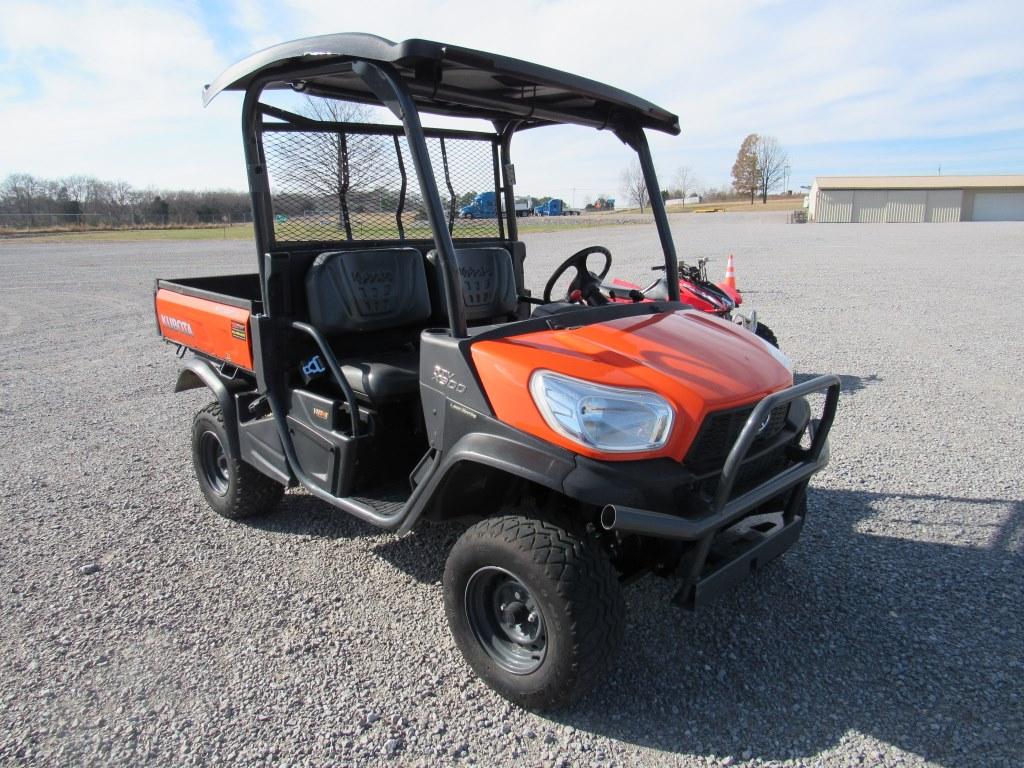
[604,418]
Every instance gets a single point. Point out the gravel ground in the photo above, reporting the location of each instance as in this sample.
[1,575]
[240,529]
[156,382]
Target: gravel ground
[139,627]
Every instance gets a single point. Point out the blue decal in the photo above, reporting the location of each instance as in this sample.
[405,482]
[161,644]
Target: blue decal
[314,366]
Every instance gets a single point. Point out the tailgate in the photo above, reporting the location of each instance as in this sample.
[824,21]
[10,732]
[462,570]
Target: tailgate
[216,329]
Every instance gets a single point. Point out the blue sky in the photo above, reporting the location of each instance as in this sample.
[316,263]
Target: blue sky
[113,89]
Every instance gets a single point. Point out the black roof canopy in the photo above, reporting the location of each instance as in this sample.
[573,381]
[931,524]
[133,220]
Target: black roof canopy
[444,79]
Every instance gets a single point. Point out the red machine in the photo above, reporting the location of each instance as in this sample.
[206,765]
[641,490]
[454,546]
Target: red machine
[695,289]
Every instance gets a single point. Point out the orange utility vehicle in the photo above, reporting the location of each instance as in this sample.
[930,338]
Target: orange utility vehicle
[388,358]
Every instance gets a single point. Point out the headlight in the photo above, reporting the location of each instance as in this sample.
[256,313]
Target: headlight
[607,419]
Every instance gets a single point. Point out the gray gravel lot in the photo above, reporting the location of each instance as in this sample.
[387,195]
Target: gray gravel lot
[139,627]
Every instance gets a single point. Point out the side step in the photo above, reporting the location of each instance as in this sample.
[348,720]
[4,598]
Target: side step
[384,500]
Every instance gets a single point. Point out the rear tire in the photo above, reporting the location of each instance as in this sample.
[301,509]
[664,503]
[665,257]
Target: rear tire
[767,334]
[535,609]
[232,488]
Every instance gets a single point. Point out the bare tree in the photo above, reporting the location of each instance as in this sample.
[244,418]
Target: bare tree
[121,201]
[685,180]
[19,191]
[771,164]
[334,111]
[745,177]
[328,169]
[634,186]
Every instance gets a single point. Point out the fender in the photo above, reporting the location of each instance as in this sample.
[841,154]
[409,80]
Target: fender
[197,373]
[513,453]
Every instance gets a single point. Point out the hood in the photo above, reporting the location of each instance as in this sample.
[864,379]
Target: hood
[696,361]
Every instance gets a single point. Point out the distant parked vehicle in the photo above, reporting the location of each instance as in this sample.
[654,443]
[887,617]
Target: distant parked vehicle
[555,207]
[483,207]
[524,206]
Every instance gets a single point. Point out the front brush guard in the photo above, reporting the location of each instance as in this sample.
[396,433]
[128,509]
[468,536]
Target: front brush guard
[726,511]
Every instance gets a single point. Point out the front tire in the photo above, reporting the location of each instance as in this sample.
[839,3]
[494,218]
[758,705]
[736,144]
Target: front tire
[233,489]
[767,334]
[535,609]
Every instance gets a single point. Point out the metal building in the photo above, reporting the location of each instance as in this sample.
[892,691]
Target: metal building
[881,199]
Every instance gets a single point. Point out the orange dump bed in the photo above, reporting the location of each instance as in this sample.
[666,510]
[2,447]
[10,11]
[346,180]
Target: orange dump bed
[207,326]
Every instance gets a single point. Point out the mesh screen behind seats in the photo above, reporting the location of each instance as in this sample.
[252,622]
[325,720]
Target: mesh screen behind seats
[367,290]
[488,283]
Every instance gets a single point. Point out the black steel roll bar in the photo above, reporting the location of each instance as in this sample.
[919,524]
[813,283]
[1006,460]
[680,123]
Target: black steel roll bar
[387,85]
[633,136]
[393,93]
[396,94]
[508,190]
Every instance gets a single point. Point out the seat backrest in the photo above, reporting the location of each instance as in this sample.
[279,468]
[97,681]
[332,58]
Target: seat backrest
[367,290]
[488,283]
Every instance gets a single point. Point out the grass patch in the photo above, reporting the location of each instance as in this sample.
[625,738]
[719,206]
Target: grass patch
[793,203]
[245,231]
[233,232]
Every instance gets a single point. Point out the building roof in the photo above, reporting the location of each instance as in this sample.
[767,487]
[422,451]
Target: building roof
[444,79]
[918,182]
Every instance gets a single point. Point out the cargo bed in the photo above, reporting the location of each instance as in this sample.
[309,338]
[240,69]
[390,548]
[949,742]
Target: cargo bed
[210,315]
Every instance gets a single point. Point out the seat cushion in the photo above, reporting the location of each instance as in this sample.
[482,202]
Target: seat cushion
[367,290]
[384,375]
[488,282]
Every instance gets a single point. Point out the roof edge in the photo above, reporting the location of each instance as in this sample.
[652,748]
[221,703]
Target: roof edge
[920,181]
[341,47]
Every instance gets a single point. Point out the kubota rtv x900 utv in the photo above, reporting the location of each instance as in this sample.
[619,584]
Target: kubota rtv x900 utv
[388,358]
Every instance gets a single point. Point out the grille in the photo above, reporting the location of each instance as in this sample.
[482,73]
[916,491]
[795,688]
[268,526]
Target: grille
[720,430]
[335,185]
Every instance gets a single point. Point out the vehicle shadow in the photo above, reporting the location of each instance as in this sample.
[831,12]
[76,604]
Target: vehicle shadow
[918,644]
[850,383]
[420,554]
[302,514]
[423,552]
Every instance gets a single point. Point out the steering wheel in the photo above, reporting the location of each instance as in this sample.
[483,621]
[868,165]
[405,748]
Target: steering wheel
[585,281]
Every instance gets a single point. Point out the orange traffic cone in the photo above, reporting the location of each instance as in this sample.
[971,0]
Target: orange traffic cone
[730,273]
[729,284]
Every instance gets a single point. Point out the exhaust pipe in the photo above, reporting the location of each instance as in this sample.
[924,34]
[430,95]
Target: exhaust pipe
[646,523]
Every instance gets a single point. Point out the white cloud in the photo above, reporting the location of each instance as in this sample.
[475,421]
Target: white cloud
[112,84]
[118,86]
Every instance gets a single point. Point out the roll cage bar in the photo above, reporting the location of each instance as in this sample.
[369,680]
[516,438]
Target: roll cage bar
[385,86]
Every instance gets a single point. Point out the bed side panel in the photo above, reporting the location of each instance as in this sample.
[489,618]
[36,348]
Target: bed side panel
[216,329]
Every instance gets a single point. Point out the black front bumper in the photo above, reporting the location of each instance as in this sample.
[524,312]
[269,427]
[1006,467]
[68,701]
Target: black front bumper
[707,577]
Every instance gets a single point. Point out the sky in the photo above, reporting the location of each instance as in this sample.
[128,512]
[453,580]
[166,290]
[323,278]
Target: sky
[113,90]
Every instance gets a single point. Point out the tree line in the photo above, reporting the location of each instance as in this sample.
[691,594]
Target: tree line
[761,167]
[28,201]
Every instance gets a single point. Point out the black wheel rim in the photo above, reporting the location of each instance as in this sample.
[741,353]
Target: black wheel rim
[506,620]
[213,463]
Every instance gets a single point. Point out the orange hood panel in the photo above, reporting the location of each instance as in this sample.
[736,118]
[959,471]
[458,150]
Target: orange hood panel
[696,361]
